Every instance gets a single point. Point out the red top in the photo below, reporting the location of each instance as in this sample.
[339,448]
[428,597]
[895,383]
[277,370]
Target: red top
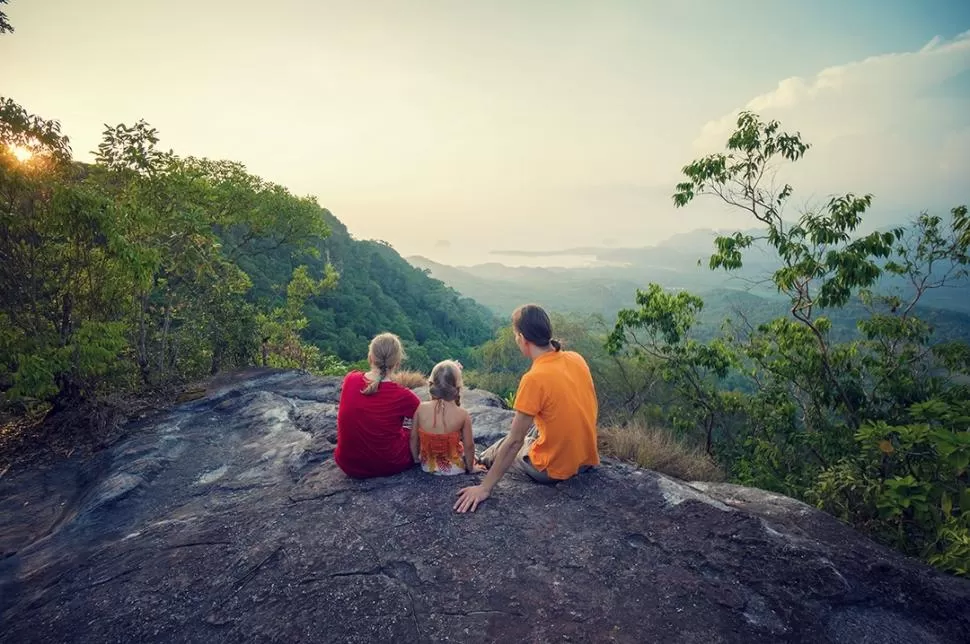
[371,438]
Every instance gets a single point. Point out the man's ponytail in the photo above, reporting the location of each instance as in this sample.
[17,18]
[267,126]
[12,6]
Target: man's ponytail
[534,324]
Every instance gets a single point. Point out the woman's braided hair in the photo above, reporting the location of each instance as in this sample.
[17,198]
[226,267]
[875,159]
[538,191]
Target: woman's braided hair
[385,354]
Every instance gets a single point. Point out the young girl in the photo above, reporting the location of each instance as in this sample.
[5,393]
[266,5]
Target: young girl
[441,431]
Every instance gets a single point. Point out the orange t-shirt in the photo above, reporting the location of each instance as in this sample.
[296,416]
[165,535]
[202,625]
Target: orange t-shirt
[558,392]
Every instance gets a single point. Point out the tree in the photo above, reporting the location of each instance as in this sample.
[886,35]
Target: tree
[5,26]
[871,427]
[127,273]
[62,270]
[280,328]
[665,320]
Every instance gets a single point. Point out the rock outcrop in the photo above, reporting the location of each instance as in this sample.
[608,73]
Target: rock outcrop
[226,520]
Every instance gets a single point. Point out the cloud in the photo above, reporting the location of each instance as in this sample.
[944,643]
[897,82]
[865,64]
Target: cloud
[932,44]
[893,124]
[858,86]
[442,243]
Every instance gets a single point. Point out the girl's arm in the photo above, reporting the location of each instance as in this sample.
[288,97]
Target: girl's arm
[414,438]
[468,440]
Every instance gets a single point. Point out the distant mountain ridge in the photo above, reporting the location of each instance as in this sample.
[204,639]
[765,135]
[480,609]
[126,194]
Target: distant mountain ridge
[677,263]
[602,289]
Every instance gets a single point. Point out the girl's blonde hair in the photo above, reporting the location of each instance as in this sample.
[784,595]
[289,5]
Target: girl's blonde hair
[385,355]
[445,382]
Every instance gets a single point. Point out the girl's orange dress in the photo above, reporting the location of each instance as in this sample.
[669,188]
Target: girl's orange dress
[441,454]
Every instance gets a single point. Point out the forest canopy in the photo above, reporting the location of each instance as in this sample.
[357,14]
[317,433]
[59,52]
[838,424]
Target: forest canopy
[147,268]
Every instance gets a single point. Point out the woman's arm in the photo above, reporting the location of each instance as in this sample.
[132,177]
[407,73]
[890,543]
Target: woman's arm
[415,456]
[470,497]
[468,440]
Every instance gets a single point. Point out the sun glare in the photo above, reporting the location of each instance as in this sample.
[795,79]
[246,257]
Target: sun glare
[21,153]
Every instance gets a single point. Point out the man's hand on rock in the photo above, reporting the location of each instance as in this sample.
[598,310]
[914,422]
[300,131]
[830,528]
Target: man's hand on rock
[470,497]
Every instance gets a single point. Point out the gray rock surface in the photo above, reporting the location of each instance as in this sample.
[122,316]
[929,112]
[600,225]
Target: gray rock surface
[226,520]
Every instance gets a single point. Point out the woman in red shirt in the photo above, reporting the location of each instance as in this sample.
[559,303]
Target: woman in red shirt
[371,437]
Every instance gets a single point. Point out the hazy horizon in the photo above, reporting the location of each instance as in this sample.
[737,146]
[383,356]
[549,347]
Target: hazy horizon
[453,130]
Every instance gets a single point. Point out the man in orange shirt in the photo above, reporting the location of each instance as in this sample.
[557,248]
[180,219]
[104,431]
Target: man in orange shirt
[558,398]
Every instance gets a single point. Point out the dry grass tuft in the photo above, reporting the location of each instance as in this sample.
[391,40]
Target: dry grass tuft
[410,379]
[658,449]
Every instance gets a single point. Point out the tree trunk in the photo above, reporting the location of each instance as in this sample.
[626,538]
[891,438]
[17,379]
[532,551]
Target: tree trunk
[142,350]
[163,351]
[66,309]
[709,421]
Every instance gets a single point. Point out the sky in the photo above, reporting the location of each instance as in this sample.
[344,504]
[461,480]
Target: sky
[456,130]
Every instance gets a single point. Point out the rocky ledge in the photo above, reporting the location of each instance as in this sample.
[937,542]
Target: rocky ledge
[226,520]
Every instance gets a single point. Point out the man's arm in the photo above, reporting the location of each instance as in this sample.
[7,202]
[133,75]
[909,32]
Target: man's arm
[470,497]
